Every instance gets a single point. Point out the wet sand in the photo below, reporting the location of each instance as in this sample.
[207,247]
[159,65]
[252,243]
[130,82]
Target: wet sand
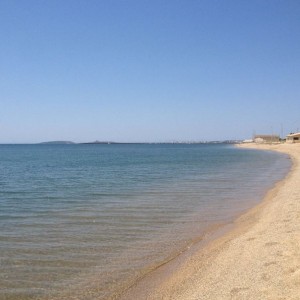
[258,257]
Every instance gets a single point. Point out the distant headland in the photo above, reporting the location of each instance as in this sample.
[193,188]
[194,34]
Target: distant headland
[111,142]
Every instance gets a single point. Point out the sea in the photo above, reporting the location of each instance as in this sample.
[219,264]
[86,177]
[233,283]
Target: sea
[86,221]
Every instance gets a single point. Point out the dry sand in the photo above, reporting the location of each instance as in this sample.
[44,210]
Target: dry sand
[258,259]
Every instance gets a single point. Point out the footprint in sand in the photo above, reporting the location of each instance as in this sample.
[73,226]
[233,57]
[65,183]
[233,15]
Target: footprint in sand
[265,276]
[237,290]
[293,270]
[270,263]
[287,220]
[251,239]
[269,244]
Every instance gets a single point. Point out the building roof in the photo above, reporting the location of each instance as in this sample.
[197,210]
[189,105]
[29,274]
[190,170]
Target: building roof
[294,134]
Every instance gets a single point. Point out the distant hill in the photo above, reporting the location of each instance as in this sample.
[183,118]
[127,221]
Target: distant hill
[58,143]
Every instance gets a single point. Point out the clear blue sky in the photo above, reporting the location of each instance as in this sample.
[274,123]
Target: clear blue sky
[148,70]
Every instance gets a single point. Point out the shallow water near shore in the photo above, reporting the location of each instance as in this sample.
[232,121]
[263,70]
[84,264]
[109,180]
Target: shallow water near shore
[83,221]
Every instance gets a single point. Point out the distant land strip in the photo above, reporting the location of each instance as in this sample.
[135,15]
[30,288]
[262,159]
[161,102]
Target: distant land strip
[110,142]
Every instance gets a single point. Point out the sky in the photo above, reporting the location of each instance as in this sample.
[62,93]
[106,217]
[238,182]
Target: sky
[148,71]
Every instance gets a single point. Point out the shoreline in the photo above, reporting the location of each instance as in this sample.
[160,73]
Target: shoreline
[255,257]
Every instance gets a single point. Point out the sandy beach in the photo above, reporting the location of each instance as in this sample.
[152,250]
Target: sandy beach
[258,258]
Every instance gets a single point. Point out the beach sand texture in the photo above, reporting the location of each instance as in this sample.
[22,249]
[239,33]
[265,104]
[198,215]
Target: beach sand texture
[258,259]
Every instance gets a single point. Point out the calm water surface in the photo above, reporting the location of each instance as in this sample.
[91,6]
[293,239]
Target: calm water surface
[81,221]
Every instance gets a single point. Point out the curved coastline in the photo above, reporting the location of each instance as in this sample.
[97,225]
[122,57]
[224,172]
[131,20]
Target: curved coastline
[257,257]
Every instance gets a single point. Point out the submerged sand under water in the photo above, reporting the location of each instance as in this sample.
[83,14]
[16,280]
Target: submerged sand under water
[167,277]
[259,258]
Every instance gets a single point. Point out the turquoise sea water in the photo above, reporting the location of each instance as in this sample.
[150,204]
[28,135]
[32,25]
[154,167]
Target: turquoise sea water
[83,221]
